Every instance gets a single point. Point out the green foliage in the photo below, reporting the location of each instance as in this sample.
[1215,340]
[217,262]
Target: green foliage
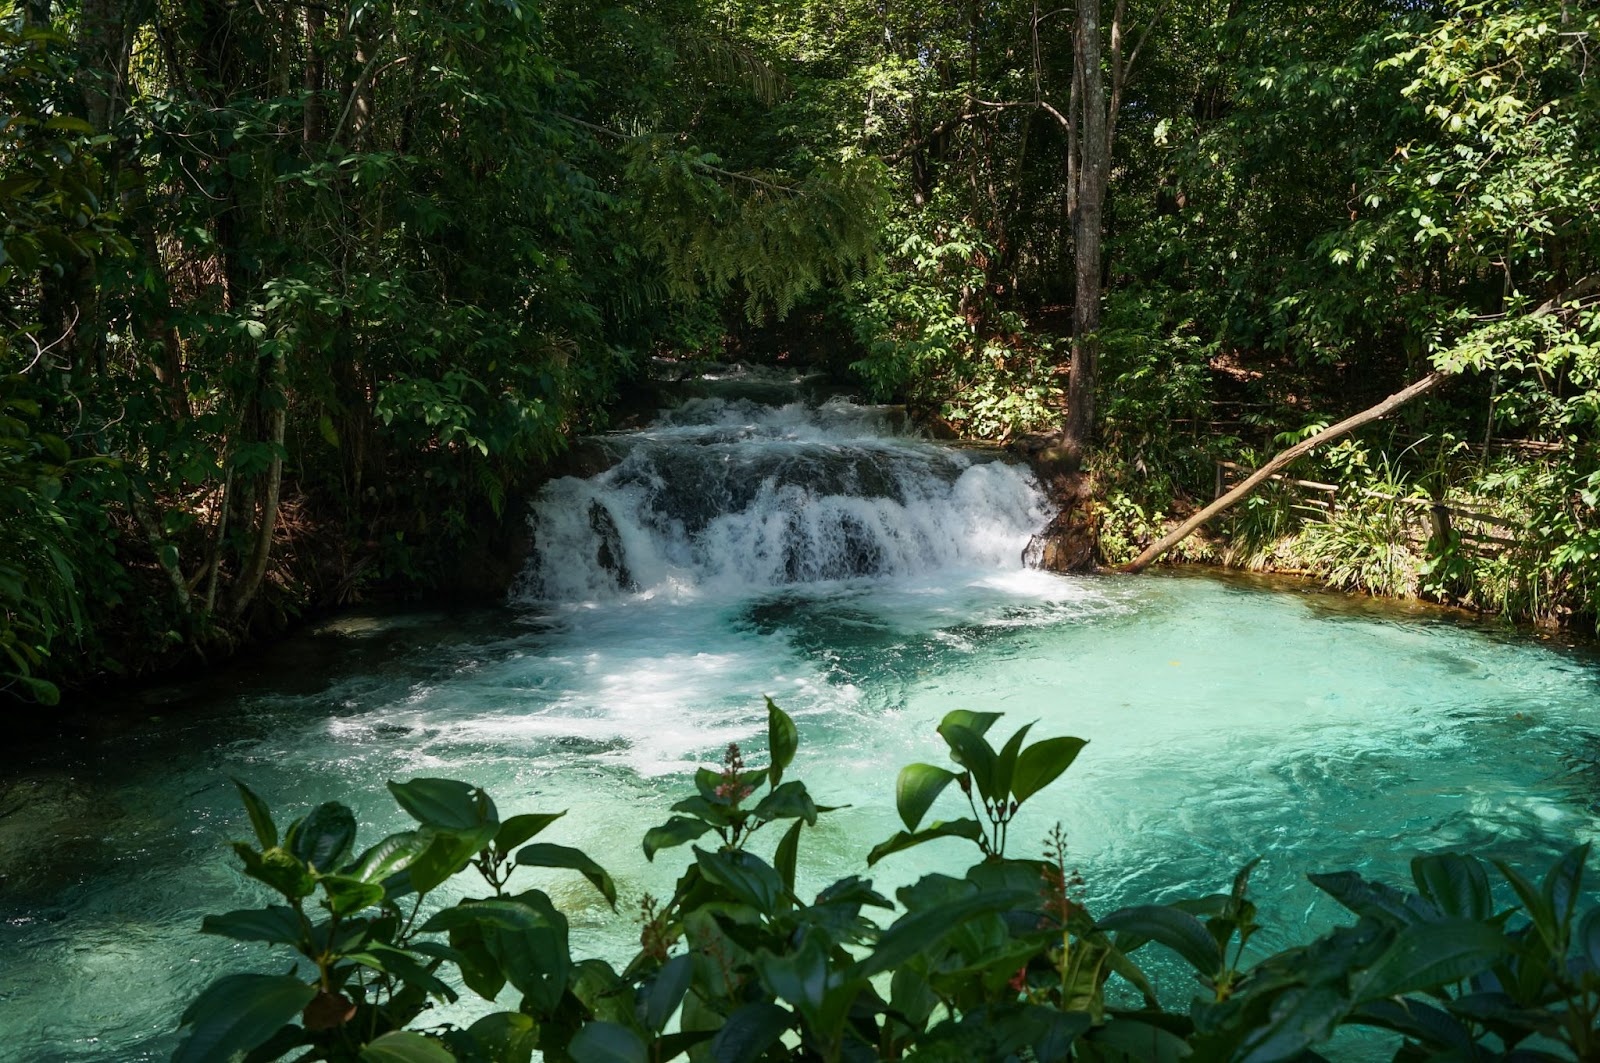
[774,237]
[933,337]
[357,271]
[1003,962]
[40,594]
[1158,378]
[332,285]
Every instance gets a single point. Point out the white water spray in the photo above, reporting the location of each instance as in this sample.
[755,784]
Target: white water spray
[724,497]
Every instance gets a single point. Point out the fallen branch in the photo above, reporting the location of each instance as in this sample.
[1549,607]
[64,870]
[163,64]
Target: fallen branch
[1578,290]
[1261,475]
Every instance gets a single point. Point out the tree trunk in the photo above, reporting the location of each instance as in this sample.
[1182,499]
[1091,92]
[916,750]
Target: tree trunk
[311,131]
[1260,476]
[1092,172]
[255,564]
[104,47]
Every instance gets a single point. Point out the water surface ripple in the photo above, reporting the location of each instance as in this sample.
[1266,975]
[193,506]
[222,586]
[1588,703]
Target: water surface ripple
[869,583]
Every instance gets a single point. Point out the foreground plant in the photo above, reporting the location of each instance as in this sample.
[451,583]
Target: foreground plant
[1002,963]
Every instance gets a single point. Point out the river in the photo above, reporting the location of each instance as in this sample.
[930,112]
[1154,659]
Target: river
[756,541]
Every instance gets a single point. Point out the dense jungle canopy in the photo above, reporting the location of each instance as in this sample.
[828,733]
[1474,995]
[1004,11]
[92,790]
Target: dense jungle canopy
[297,298]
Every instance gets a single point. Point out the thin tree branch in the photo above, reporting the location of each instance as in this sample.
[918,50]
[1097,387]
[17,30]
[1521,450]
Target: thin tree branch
[696,163]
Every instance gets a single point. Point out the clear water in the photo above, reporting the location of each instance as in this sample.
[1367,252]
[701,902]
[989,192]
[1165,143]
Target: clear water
[1226,718]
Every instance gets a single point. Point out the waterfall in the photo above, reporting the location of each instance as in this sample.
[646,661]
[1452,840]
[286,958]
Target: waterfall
[724,494]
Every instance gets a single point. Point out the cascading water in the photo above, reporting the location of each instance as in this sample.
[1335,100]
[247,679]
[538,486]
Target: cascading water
[750,544]
[727,497]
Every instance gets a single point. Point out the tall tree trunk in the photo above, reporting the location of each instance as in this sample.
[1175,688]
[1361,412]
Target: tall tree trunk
[260,551]
[71,303]
[104,45]
[1093,170]
[312,132]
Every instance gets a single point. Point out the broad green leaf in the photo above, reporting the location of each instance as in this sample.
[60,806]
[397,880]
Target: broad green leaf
[902,840]
[544,854]
[323,838]
[1374,900]
[969,749]
[1428,956]
[601,990]
[749,1033]
[406,967]
[506,1036]
[697,807]
[1456,885]
[676,831]
[782,740]
[278,868]
[69,124]
[260,818]
[1005,763]
[480,970]
[1042,763]
[1165,925]
[445,803]
[666,992]
[1562,888]
[1301,1018]
[347,895]
[1049,1032]
[743,874]
[1533,901]
[788,801]
[503,914]
[1588,939]
[518,829]
[786,858]
[707,781]
[278,925]
[535,958]
[403,1046]
[1137,1041]
[606,1042]
[393,854]
[921,931]
[801,978]
[1417,1020]
[447,853]
[238,1012]
[915,790]
[977,722]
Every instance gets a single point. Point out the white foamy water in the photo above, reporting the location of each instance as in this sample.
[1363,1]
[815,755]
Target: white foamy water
[725,497]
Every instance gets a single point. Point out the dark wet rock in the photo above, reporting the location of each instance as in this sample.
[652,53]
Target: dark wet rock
[52,825]
[585,458]
[863,554]
[609,554]
[579,745]
[1067,544]
[1071,541]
